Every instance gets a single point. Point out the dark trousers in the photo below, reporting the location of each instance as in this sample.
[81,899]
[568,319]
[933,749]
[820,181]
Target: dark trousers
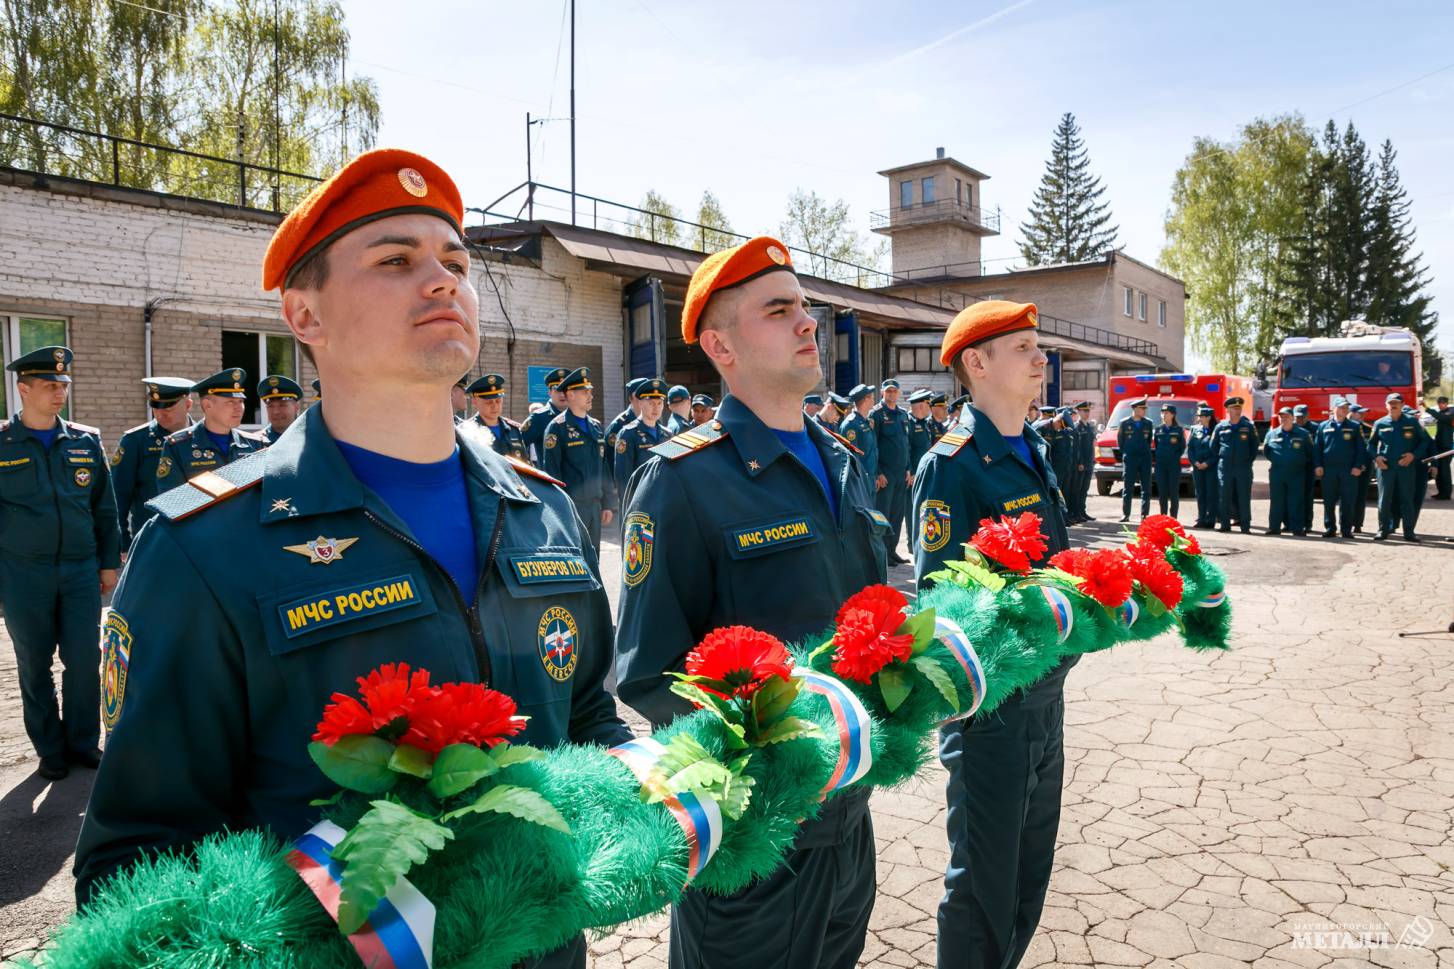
[1309,502]
[1341,492]
[1287,501]
[1396,498]
[1168,489]
[1136,473]
[50,606]
[572,955]
[893,500]
[1005,775]
[1080,487]
[1204,483]
[1441,478]
[1360,504]
[812,913]
[1234,496]
[590,512]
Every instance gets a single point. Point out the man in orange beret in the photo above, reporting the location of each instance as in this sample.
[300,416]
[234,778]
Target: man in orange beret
[1005,770]
[788,532]
[374,488]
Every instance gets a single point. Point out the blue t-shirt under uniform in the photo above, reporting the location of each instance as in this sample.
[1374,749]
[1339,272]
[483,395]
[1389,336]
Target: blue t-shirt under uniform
[806,451]
[432,500]
[46,438]
[1022,448]
[222,441]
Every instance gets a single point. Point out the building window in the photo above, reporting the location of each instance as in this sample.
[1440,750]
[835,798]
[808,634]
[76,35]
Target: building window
[1142,307]
[959,190]
[1129,296]
[918,360]
[1161,312]
[260,354]
[1082,379]
[927,189]
[906,195]
[21,335]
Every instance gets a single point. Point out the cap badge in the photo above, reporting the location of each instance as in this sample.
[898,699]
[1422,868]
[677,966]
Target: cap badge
[413,183]
[777,255]
[236,375]
[59,354]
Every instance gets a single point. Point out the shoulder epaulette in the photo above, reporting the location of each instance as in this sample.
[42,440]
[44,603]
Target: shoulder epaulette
[178,436]
[84,428]
[209,488]
[514,424]
[951,442]
[256,437]
[845,442]
[5,424]
[526,468]
[139,427]
[690,441]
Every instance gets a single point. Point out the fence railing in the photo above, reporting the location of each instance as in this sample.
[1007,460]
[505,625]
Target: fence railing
[940,210]
[947,299]
[44,148]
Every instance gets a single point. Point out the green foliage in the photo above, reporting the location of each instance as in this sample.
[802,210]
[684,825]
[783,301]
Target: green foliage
[920,625]
[717,233]
[968,575]
[387,841]
[658,220]
[458,768]
[408,759]
[260,81]
[895,686]
[834,249]
[357,763]
[687,767]
[937,678]
[1068,221]
[516,801]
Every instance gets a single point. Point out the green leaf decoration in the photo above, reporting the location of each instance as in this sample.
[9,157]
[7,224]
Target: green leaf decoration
[788,728]
[356,762]
[921,626]
[516,801]
[507,754]
[685,765]
[328,801]
[387,841]
[725,711]
[895,686]
[408,759]
[1153,605]
[773,699]
[827,647]
[458,768]
[1060,577]
[935,674]
[734,795]
[703,681]
[977,575]
[945,575]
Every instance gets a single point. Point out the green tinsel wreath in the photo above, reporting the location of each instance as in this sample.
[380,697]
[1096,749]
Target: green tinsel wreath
[506,889]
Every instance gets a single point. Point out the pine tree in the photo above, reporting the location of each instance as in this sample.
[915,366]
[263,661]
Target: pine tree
[1395,280]
[1305,292]
[1068,221]
[1350,197]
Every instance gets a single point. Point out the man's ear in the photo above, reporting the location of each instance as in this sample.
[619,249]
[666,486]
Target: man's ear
[300,313]
[717,349]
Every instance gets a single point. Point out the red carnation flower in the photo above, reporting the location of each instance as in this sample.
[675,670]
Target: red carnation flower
[1072,560]
[1107,576]
[1191,546]
[1158,578]
[462,713]
[865,634]
[389,693]
[740,656]
[1010,542]
[1157,530]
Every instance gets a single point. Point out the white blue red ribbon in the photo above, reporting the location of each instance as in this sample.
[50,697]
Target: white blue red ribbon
[698,815]
[1212,601]
[1128,612]
[1060,610]
[948,632]
[855,728]
[399,933]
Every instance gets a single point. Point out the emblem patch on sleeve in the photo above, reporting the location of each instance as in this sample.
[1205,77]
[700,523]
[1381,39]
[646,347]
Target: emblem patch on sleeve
[116,458]
[933,525]
[640,534]
[83,477]
[557,639]
[115,661]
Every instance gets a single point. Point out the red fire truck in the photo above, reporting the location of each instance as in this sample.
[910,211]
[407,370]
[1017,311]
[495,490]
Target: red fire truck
[1184,391]
[1363,365]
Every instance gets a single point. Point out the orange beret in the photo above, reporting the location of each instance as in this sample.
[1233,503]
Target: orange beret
[983,321]
[728,268]
[375,185]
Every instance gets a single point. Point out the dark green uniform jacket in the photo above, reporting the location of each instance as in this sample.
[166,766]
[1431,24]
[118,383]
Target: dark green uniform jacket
[57,505]
[506,437]
[134,476]
[533,431]
[241,616]
[633,448]
[859,431]
[191,451]
[577,457]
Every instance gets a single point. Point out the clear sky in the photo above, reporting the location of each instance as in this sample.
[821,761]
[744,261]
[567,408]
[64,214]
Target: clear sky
[754,99]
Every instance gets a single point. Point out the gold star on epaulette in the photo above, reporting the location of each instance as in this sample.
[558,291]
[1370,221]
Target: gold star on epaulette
[281,504]
[753,466]
[987,459]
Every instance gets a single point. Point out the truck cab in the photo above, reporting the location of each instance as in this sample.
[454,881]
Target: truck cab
[1109,469]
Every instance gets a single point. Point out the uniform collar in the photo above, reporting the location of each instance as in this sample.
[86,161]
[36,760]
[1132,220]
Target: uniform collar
[757,445]
[17,429]
[305,474]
